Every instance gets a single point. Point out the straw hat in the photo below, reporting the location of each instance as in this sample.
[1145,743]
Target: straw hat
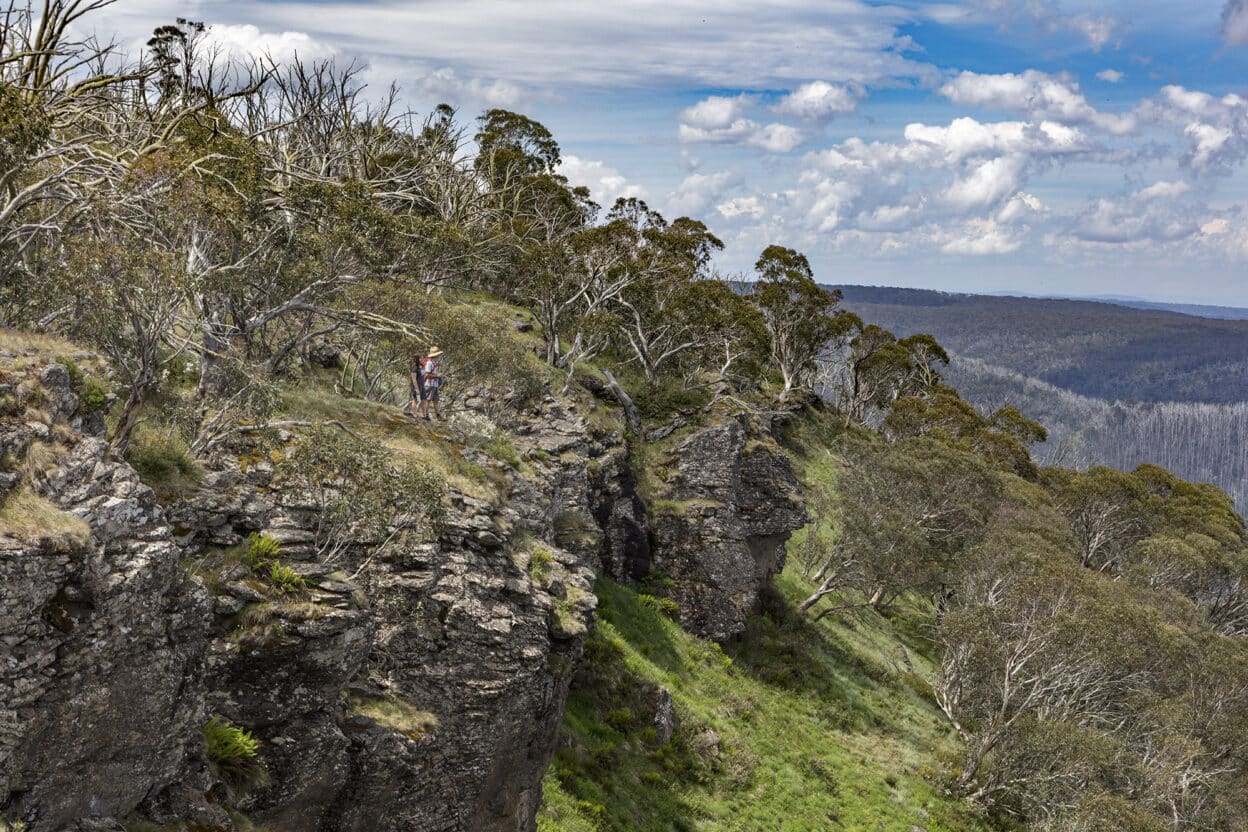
[434,352]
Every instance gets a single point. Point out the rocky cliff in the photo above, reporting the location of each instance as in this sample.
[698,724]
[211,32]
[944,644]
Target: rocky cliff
[731,503]
[415,685]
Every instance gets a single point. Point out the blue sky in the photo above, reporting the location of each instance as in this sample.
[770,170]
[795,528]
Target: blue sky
[1037,146]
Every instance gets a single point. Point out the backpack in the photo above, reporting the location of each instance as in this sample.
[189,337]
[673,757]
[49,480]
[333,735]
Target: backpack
[420,368]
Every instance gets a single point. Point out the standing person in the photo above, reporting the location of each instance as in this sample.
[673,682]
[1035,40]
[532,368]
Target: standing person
[431,374]
[417,373]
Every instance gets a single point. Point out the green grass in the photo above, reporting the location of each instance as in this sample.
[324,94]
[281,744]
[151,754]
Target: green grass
[821,727]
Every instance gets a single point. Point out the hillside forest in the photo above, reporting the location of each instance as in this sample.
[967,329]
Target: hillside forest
[1113,385]
[219,231]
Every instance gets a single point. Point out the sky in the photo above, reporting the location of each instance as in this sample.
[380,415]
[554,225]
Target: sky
[1041,147]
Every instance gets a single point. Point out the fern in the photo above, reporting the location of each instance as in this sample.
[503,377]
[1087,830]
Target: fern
[234,755]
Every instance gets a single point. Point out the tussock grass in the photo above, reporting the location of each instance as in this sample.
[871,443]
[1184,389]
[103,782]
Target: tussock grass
[43,459]
[395,714]
[37,522]
[19,341]
[164,464]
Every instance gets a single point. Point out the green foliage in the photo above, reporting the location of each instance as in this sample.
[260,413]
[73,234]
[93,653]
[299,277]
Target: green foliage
[286,580]
[541,561]
[665,606]
[261,551]
[234,755]
[24,127]
[92,392]
[358,489]
[164,463]
[943,415]
[658,404]
[260,554]
[797,312]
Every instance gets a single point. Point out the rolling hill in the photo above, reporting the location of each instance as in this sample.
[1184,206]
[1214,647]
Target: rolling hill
[1102,350]
[1114,385]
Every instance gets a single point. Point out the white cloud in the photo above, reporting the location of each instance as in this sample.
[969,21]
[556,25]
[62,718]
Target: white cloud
[1047,16]
[776,138]
[819,100]
[716,112]
[982,238]
[988,183]
[572,43]
[1019,207]
[242,41]
[606,184]
[1163,190]
[1216,128]
[742,206]
[888,218]
[698,190]
[936,176]
[720,120]
[1111,76]
[1099,31]
[1120,222]
[1038,94]
[1235,22]
[444,85]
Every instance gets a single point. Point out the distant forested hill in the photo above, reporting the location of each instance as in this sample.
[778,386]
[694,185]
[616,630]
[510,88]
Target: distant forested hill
[1229,313]
[1203,442]
[1096,349]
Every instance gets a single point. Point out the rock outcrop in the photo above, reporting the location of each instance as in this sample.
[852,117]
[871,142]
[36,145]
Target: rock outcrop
[103,634]
[732,502]
[413,686]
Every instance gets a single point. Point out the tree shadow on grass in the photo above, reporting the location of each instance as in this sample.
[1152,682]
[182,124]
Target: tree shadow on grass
[785,649]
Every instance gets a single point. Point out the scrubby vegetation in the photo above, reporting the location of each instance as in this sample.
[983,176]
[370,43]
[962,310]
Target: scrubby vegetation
[32,519]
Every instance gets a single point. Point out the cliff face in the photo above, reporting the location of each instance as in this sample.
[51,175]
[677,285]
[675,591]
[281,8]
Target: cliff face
[103,634]
[734,502]
[416,689]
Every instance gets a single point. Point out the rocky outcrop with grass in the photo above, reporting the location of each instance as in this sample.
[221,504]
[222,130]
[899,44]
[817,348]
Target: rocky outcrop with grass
[235,648]
[729,502]
[358,623]
[103,634]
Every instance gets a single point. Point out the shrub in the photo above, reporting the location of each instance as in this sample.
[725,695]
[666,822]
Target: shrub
[234,755]
[619,719]
[164,464]
[93,394]
[91,391]
[658,403]
[357,491]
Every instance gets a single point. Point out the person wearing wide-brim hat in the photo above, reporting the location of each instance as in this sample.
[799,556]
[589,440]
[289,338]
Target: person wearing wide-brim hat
[431,382]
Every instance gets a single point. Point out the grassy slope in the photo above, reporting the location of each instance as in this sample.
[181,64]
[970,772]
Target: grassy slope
[822,726]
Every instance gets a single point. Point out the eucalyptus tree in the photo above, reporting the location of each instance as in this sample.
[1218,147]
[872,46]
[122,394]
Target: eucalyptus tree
[799,314]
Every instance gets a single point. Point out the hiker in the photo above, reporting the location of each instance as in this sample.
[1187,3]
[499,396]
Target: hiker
[430,381]
[417,374]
